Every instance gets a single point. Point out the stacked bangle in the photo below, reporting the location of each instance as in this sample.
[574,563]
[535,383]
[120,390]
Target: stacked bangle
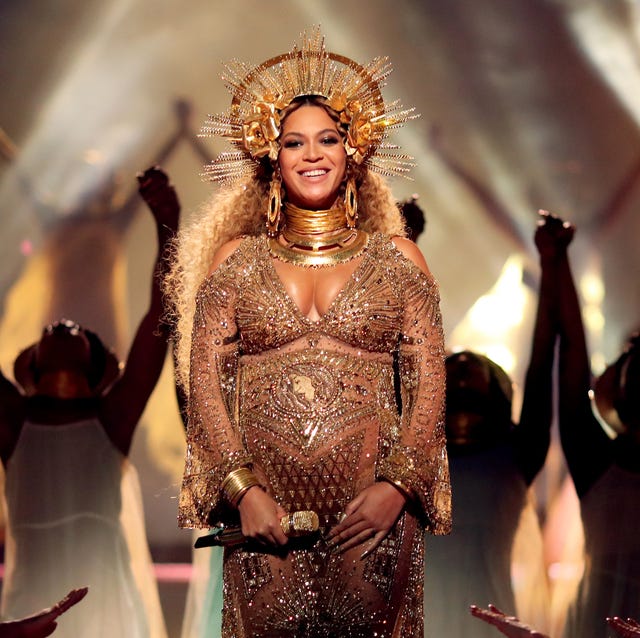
[237,483]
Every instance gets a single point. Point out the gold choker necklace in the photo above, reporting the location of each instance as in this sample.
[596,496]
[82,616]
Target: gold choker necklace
[317,237]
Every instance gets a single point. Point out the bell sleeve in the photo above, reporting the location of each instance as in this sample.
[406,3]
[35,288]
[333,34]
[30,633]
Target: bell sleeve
[215,445]
[417,462]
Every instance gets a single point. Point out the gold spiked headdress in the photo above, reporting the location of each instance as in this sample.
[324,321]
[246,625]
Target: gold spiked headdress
[259,94]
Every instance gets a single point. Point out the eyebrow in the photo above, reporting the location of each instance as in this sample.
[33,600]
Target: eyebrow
[322,132]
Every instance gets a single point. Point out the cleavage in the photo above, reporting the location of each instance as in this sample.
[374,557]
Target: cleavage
[314,290]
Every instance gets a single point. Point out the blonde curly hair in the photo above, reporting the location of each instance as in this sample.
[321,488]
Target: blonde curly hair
[241,210]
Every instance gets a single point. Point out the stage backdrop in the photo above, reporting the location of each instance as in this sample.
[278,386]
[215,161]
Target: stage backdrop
[524,104]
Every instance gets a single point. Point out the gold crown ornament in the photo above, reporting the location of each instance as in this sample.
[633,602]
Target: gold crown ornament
[260,94]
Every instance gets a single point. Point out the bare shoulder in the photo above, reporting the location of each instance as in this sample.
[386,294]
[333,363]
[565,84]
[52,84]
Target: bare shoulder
[223,253]
[411,251]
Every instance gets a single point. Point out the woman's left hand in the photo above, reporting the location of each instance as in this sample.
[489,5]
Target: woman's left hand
[368,517]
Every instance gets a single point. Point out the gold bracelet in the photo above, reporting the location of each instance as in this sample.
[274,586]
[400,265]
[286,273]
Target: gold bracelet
[407,492]
[237,483]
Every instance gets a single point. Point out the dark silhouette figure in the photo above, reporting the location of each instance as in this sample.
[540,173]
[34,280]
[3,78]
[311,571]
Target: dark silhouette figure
[492,463]
[65,432]
[605,470]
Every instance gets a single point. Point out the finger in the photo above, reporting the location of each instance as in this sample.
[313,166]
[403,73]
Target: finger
[266,540]
[349,531]
[275,540]
[482,614]
[73,597]
[362,536]
[273,535]
[375,543]
[279,537]
[353,505]
[478,612]
[346,521]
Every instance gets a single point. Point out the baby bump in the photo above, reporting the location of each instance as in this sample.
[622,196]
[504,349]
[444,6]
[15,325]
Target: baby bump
[312,422]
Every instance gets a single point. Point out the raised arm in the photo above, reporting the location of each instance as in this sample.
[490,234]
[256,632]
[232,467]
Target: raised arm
[586,447]
[125,402]
[532,435]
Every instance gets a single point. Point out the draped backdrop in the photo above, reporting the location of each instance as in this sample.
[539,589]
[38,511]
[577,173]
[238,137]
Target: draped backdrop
[525,104]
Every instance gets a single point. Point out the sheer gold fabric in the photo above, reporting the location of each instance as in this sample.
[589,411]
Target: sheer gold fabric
[311,406]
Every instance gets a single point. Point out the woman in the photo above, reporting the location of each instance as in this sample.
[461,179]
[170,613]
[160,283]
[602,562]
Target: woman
[286,343]
[73,500]
[601,442]
[492,463]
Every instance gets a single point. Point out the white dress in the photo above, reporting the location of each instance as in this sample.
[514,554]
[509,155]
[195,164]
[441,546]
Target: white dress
[64,495]
[472,565]
[203,609]
[610,585]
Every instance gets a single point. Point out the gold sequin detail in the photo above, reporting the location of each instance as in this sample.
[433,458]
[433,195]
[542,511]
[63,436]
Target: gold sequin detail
[311,406]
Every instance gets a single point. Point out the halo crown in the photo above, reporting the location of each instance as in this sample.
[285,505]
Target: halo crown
[259,95]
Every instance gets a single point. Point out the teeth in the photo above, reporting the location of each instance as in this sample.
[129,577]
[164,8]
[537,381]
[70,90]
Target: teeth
[315,173]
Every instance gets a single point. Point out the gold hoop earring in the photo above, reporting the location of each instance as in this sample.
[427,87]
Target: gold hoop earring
[351,203]
[275,205]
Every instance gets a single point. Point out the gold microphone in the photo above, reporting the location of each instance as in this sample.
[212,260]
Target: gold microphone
[294,525]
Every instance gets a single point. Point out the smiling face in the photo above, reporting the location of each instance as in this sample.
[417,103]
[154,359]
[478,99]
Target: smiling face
[312,158]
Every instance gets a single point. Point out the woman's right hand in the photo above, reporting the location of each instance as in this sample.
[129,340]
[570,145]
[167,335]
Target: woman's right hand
[260,517]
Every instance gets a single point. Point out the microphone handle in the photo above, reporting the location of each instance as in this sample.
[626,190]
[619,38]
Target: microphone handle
[294,525]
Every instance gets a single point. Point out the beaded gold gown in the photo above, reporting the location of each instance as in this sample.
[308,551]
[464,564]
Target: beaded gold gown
[311,406]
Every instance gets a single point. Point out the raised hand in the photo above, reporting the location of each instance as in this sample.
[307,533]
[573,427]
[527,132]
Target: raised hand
[507,625]
[553,234]
[160,196]
[628,628]
[42,623]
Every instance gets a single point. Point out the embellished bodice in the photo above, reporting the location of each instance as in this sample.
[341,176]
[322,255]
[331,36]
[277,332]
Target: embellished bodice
[311,407]
[249,331]
[365,314]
